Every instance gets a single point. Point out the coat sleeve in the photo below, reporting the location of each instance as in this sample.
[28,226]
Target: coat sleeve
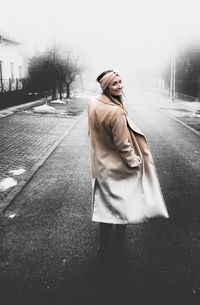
[121,139]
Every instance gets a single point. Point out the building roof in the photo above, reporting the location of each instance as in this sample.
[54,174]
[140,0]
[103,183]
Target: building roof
[7,40]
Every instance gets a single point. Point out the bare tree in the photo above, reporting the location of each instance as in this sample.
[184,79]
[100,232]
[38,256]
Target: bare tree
[41,73]
[54,69]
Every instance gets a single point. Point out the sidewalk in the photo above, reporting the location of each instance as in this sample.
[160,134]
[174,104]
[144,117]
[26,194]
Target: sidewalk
[27,139]
[65,165]
[48,239]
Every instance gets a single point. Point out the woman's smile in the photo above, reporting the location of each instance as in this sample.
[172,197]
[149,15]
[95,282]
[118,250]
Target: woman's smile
[116,87]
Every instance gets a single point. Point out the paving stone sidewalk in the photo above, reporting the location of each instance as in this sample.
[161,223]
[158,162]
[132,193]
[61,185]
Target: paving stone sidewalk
[26,137]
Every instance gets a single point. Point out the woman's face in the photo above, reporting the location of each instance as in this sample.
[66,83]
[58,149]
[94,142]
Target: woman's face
[116,87]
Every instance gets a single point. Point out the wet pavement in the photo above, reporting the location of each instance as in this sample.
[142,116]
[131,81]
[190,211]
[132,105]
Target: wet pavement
[27,136]
[49,244]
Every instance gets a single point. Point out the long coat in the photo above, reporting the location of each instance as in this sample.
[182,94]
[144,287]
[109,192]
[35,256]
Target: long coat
[124,191]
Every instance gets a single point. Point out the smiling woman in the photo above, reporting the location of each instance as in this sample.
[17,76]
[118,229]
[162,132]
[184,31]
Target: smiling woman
[111,83]
[126,189]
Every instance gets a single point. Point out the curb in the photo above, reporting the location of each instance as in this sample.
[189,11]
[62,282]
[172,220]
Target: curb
[177,120]
[11,110]
[17,189]
[182,123]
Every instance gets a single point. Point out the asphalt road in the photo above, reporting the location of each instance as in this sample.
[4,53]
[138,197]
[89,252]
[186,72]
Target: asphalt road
[49,248]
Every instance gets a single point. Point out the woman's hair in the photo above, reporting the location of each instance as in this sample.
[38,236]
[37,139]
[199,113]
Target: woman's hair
[102,74]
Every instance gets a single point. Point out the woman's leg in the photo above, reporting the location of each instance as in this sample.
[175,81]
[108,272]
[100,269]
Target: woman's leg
[105,239]
[119,239]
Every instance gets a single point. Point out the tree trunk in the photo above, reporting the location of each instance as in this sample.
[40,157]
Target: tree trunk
[68,90]
[54,96]
[60,90]
[55,83]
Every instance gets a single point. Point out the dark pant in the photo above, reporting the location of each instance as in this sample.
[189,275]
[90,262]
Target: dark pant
[111,238]
[111,264]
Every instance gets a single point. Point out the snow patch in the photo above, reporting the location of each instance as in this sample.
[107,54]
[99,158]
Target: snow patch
[12,216]
[7,183]
[44,109]
[17,172]
[58,101]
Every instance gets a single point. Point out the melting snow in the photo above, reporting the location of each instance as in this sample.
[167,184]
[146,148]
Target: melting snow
[44,109]
[12,215]
[17,172]
[7,183]
[68,100]
[58,101]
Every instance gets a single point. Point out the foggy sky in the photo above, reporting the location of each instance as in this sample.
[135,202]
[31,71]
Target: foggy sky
[134,37]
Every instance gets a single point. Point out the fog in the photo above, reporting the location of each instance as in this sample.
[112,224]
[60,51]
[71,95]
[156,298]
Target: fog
[134,37]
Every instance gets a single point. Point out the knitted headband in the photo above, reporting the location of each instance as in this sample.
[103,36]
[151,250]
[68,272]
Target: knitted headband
[107,78]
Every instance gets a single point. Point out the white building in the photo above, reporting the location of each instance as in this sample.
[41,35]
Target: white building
[11,65]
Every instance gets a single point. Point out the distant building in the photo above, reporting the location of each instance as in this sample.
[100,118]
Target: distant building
[11,65]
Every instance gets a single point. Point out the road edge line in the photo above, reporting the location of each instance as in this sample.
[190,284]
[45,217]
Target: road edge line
[182,123]
[175,119]
[17,190]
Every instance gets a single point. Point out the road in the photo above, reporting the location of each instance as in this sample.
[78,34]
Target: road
[49,244]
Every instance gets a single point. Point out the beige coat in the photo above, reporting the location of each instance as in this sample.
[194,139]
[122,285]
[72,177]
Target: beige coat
[124,191]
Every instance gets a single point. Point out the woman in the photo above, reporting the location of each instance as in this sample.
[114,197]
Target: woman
[125,184]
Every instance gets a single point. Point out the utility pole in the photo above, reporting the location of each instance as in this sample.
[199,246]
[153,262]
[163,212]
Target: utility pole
[173,78]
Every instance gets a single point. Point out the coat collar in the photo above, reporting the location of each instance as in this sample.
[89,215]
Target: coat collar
[104,99]
[133,127]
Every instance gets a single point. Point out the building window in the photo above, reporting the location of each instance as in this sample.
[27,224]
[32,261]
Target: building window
[12,70]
